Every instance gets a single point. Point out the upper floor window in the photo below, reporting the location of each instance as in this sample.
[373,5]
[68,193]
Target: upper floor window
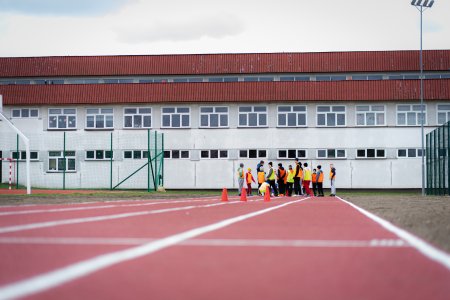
[34,155]
[137,117]
[331,153]
[176,154]
[291,153]
[214,153]
[99,118]
[443,113]
[62,118]
[370,153]
[214,116]
[252,116]
[25,113]
[135,154]
[176,117]
[291,116]
[409,153]
[370,115]
[331,116]
[410,115]
[252,153]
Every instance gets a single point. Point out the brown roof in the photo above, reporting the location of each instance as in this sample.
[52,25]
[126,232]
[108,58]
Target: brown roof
[334,62]
[381,90]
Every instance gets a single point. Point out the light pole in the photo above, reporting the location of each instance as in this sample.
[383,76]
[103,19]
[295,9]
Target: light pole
[421,6]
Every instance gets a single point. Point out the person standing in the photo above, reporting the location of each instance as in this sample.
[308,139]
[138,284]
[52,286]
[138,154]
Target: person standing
[240,175]
[271,177]
[307,179]
[260,174]
[333,180]
[314,181]
[249,178]
[281,179]
[290,181]
[298,178]
[319,177]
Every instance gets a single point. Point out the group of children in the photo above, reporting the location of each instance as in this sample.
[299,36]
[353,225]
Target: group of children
[281,182]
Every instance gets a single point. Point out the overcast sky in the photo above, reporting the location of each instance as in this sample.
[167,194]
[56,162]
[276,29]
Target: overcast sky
[111,27]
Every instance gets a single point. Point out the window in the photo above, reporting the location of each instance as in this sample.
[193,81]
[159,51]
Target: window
[252,153]
[25,113]
[214,116]
[291,116]
[135,154]
[99,118]
[291,153]
[137,117]
[176,117]
[62,118]
[57,162]
[23,155]
[443,113]
[409,153]
[323,78]
[331,116]
[99,155]
[252,116]
[370,115]
[410,115]
[331,153]
[176,154]
[370,153]
[214,154]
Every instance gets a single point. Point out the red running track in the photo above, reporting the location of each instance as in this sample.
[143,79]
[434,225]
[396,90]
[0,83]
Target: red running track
[289,248]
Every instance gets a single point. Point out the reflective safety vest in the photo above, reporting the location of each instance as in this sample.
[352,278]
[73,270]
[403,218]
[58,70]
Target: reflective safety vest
[261,178]
[290,176]
[249,177]
[320,177]
[272,176]
[300,173]
[282,175]
[331,174]
[240,173]
[314,177]
[307,174]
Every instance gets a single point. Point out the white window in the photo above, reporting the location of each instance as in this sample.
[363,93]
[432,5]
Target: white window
[99,118]
[410,115]
[252,116]
[25,113]
[34,155]
[252,153]
[58,163]
[409,153]
[291,153]
[62,118]
[331,116]
[370,153]
[176,154]
[370,115]
[331,153]
[214,154]
[99,155]
[176,117]
[443,113]
[137,117]
[214,116]
[291,116]
[135,154]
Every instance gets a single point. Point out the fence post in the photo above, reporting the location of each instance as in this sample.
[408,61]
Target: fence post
[111,164]
[148,160]
[64,161]
[162,159]
[448,158]
[156,162]
[17,162]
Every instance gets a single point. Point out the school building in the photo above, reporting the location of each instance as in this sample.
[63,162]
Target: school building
[358,110]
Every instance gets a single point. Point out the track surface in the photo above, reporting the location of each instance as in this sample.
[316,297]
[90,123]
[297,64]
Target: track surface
[289,248]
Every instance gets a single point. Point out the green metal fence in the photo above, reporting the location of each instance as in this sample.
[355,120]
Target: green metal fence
[438,163]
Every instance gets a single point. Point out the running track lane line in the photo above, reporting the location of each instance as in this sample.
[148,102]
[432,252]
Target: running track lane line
[31,226]
[423,247]
[66,274]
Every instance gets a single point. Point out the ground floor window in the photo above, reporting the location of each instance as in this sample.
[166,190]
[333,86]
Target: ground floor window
[252,153]
[409,153]
[98,155]
[176,154]
[214,153]
[22,155]
[370,153]
[135,154]
[58,162]
[291,153]
[331,153]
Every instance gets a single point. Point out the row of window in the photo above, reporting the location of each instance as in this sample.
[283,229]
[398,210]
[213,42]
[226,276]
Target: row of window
[248,116]
[230,78]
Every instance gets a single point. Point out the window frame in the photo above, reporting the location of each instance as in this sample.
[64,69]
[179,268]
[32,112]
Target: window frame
[407,153]
[99,114]
[200,114]
[95,155]
[328,149]
[61,156]
[175,113]
[406,115]
[370,111]
[133,151]
[266,112]
[257,154]
[331,112]
[365,153]
[291,158]
[218,154]
[292,111]
[21,115]
[446,111]
[62,114]
[23,155]
[180,154]
[143,115]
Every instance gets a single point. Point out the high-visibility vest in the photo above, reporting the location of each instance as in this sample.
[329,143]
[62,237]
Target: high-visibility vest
[331,174]
[261,178]
[306,174]
[290,176]
[249,177]
[300,173]
[320,177]
[240,173]
[314,177]
[282,175]
[272,176]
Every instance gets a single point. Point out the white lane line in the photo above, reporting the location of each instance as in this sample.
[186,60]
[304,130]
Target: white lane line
[57,277]
[35,211]
[423,247]
[388,243]
[101,218]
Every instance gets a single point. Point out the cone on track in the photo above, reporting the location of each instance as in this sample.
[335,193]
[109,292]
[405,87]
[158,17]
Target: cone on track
[267,195]
[244,194]
[224,195]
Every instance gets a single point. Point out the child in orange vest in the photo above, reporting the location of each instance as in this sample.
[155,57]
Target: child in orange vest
[249,178]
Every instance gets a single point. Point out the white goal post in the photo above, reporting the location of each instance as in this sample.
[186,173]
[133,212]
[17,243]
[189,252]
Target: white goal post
[24,139]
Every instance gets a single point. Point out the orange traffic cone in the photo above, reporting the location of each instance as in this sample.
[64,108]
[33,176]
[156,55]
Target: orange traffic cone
[224,195]
[244,194]
[267,195]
